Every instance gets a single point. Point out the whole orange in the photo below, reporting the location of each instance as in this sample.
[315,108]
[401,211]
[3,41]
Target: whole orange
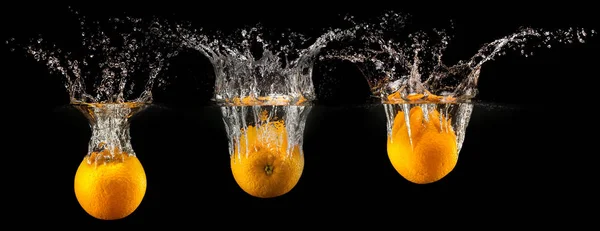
[424,150]
[261,163]
[110,188]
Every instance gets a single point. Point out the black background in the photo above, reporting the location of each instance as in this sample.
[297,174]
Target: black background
[527,153]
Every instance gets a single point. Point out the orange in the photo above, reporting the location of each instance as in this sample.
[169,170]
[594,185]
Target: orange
[429,153]
[261,164]
[110,189]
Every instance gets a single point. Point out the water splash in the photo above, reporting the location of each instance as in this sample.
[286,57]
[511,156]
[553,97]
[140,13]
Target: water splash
[118,60]
[239,119]
[427,102]
[253,66]
[458,115]
[109,78]
[403,66]
[262,77]
[110,125]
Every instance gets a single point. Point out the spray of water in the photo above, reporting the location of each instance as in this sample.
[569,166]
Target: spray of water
[118,60]
[110,123]
[252,63]
[260,72]
[405,69]
[109,78]
[408,67]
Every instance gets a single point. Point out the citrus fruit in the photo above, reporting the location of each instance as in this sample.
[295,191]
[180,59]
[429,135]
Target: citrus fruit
[110,188]
[261,164]
[424,150]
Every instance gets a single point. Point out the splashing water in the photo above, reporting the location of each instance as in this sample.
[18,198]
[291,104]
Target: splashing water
[258,72]
[427,103]
[258,66]
[411,69]
[239,119]
[110,125]
[113,55]
[103,77]
[458,115]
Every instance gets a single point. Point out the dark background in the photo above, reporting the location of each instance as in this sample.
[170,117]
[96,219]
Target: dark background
[527,153]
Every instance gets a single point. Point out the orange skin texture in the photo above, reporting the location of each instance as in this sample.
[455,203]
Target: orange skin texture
[433,153]
[110,190]
[267,170]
